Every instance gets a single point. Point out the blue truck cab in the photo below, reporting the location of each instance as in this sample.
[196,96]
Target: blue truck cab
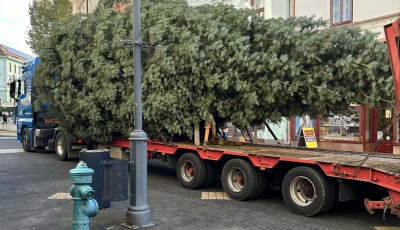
[36,130]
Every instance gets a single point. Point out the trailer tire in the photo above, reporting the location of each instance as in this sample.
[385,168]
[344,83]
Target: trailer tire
[262,183]
[25,140]
[60,147]
[191,171]
[335,195]
[307,191]
[239,179]
[211,174]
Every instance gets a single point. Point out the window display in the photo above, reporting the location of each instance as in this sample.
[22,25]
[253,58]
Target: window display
[342,127]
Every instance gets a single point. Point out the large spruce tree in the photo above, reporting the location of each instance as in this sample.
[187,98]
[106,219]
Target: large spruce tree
[214,62]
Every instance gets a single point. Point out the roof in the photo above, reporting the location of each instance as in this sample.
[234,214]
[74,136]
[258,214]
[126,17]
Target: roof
[8,51]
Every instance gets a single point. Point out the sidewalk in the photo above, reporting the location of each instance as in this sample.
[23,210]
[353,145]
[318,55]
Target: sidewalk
[8,130]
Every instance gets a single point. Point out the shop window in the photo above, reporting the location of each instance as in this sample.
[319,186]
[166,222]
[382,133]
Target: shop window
[341,11]
[345,127]
[368,124]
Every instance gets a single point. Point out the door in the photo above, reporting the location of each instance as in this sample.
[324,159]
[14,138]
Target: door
[383,118]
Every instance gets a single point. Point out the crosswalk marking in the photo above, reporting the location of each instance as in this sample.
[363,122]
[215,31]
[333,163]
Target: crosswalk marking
[214,196]
[2,151]
[387,228]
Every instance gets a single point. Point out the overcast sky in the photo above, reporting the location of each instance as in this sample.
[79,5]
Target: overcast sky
[14,24]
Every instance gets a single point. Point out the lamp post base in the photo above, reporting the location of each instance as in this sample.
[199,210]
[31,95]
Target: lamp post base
[136,218]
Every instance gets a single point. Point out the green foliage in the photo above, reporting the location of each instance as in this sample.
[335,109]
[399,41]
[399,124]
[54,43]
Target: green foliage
[215,62]
[42,14]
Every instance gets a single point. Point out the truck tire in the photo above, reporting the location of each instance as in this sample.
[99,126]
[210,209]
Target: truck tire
[25,140]
[60,146]
[211,174]
[262,183]
[239,179]
[191,171]
[307,191]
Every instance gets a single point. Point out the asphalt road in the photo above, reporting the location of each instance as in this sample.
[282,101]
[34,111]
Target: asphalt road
[34,195]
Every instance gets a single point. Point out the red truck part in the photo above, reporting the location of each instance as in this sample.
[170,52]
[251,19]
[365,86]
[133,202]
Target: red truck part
[392,33]
[300,166]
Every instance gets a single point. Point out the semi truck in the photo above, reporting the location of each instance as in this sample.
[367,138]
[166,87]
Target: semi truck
[312,181]
[35,129]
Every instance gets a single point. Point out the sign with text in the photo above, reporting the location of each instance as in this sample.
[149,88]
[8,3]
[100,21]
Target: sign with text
[309,137]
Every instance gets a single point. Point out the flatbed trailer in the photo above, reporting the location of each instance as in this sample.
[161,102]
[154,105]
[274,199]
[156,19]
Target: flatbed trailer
[311,180]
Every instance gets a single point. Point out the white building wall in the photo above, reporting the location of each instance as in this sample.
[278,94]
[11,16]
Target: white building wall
[369,15]
[319,8]
[236,3]
[202,2]
[367,9]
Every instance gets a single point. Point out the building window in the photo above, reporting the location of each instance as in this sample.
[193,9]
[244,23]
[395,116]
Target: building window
[9,67]
[15,68]
[342,127]
[341,11]
[258,6]
[19,69]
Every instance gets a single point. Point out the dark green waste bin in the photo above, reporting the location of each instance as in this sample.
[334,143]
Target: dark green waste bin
[94,159]
[115,180]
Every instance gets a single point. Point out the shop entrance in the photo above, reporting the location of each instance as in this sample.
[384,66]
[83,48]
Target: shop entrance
[382,119]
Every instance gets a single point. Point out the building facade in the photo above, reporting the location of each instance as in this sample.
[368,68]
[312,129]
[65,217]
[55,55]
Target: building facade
[359,130]
[11,62]
[83,6]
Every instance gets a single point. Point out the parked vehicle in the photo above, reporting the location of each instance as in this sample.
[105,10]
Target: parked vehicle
[35,128]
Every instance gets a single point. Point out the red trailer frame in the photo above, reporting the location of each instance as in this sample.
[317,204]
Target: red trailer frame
[331,163]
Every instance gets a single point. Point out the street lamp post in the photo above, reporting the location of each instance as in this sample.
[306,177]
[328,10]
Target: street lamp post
[138,213]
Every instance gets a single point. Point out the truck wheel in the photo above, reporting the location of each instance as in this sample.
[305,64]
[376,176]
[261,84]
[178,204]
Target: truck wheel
[61,147]
[25,140]
[211,174]
[306,191]
[262,183]
[191,171]
[239,179]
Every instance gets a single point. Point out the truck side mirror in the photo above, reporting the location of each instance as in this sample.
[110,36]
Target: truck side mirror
[12,89]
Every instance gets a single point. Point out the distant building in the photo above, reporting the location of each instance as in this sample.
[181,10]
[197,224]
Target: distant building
[11,62]
[83,6]
[369,15]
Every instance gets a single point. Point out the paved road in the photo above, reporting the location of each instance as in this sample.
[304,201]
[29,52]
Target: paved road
[34,187]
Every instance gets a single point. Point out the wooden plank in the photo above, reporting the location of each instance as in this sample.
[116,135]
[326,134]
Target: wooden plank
[197,134]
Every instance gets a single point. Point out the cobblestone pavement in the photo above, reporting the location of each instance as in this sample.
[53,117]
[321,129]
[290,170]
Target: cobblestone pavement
[34,195]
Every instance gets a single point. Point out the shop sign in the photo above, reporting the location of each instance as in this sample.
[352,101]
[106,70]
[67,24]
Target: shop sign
[388,113]
[309,137]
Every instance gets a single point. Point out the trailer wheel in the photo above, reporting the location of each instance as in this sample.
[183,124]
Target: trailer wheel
[239,179]
[25,140]
[211,174]
[61,147]
[191,171]
[262,183]
[306,191]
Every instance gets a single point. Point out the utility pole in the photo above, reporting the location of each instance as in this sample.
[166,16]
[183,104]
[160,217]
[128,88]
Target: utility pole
[138,213]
